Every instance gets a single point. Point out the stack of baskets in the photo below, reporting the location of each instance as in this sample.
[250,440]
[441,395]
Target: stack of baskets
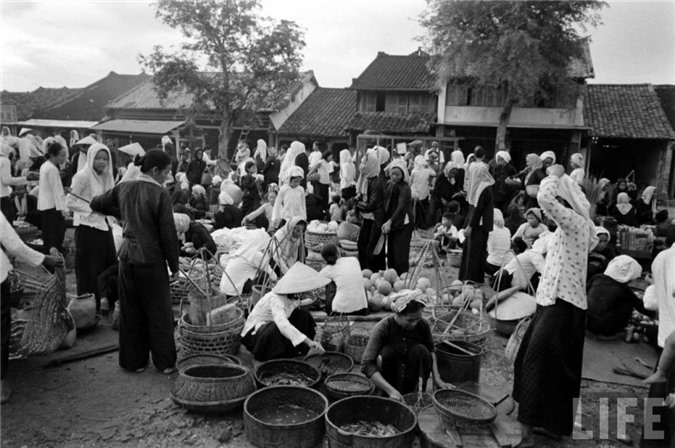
[315,241]
[217,339]
[334,333]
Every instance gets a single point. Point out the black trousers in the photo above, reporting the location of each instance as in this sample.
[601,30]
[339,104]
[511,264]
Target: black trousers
[322,190]
[5,327]
[94,253]
[8,209]
[398,249]
[107,284]
[268,342]
[403,370]
[474,254]
[146,321]
[53,229]
[368,237]
[547,371]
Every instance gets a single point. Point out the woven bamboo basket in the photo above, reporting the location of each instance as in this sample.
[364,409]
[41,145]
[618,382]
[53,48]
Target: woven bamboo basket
[315,241]
[223,342]
[213,388]
[334,332]
[460,409]
[331,363]
[355,344]
[343,385]
[293,370]
[349,253]
[467,328]
[179,290]
[418,401]
[215,328]
[199,360]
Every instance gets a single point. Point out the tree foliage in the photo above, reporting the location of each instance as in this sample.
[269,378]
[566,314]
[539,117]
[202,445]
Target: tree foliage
[234,60]
[522,47]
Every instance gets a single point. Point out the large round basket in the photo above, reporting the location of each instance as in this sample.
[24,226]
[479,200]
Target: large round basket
[343,385]
[353,410]
[469,328]
[314,260]
[355,344]
[286,372]
[330,363]
[315,241]
[186,323]
[199,360]
[204,342]
[285,416]
[457,408]
[212,388]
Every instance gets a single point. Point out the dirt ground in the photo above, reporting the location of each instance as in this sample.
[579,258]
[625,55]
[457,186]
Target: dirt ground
[93,403]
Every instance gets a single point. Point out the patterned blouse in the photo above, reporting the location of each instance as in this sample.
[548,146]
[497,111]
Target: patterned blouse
[564,274]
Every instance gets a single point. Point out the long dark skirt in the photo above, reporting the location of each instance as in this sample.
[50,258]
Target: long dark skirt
[474,254]
[322,190]
[421,210]
[53,229]
[547,371]
[398,249]
[5,326]
[268,342]
[368,237]
[94,253]
[659,424]
[146,321]
[403,372]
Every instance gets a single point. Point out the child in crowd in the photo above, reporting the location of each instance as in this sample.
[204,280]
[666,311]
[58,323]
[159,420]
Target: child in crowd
[458,218]
[291,200]
[446,233]
[529,231]
[262,217]
[335,209]
[251,184]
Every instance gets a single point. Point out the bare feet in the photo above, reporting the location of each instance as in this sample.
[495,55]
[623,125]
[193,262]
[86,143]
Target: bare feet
[5,392]
[527,440]
[657,377]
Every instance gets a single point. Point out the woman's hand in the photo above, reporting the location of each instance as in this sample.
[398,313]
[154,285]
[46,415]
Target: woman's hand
[396,395]
[314,348]
[51,261]
[443,385]
[386,227]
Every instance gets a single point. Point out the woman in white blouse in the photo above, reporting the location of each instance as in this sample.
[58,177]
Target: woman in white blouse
[52,198]
[547,371]
[277,327]
[94,243]
[349,294]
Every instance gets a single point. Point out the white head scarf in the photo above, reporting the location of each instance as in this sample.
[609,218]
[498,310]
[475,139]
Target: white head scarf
[383,155]
[571,192]
[182,222]
[456,160]
[401,299]
[647,194]
[370,167]
[215,181]
[295,171]
[289,161]
[165,140]
[261,150]
[347,168]
[623,204]
[225,199]
[100,183]
[601,230]
[504,155]
[400,164]
[420,163]
[548,155]
[479,179]
[577,159]
[623,269]
[199,189]
[498,218]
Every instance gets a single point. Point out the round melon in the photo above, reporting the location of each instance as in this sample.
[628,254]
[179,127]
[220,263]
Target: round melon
[399,285]
[423,283]
[384,287]
[458,301]
[390,275]
[431,292]
[386,303]
[375,277]
[404,276]
[366,273]
[376,302]
[367,284]
[475,304]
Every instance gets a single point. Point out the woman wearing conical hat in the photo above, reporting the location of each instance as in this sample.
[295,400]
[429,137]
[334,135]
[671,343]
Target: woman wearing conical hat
[277,327]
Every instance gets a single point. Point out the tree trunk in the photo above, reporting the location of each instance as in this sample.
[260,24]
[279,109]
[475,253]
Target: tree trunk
[504,118]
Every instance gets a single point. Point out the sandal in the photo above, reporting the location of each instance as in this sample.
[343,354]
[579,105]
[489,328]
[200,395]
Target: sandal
[170,370]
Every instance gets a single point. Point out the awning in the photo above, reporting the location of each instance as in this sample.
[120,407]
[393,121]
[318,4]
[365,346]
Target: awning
[40,123]
[138,126]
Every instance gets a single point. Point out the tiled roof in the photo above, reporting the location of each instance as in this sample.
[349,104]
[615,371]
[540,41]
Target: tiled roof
[625,111]
[324,113]
[666,95]
[144,96]
[28,103]
[391,122]
[396,72]
[138,126]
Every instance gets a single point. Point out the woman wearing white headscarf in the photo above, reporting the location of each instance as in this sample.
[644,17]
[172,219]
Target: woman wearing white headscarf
[296,149]
[623,211]
[370,204]
[501,170]
[347,175]
[533,175]
[290,201]
[577,165]
[398,226]
[260,154]
[643,206]
[478,224]
[94,243]
[421,179]
[288,248]
[610,301]
[548,366]
[498,244]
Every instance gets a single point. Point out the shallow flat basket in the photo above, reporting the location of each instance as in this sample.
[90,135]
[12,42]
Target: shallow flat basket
[198,360]
[289,366]
[331,363]
[457,408]
[343,385]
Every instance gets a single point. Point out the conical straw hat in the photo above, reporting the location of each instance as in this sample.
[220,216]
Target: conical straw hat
[300,278]
[86,141]
[518,306]
[133,149]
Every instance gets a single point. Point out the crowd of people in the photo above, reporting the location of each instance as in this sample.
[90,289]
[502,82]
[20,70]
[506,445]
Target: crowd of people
[529,230]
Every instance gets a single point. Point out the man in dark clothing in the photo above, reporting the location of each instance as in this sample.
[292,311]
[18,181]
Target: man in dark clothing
[501,170]
[315,207]
[302,160]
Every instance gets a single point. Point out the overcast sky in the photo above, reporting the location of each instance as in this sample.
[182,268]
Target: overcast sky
[74,43]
